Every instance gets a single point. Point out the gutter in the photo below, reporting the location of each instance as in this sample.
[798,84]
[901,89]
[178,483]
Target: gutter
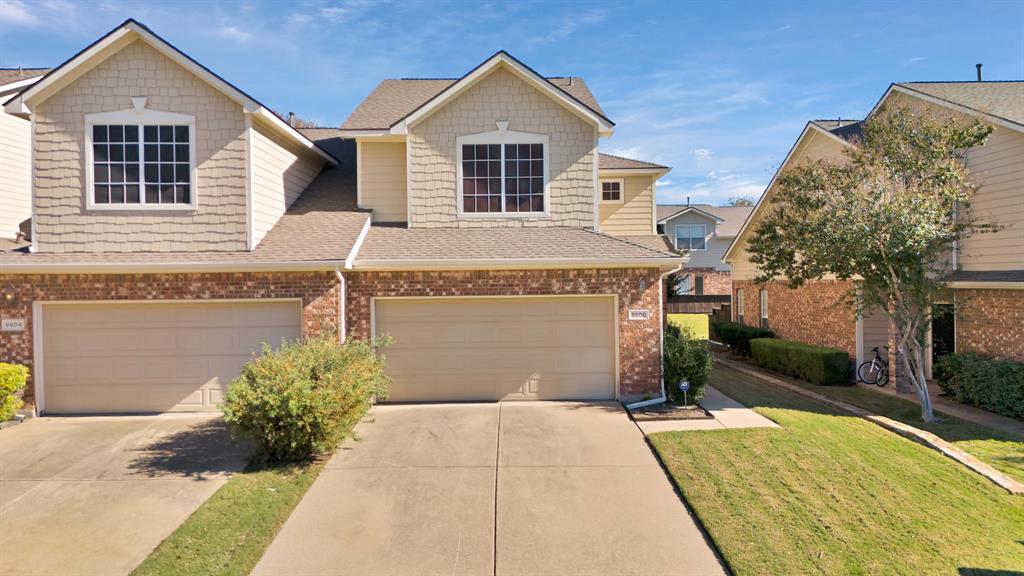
[154,267]
[987,285]
[512,263]
[661,352]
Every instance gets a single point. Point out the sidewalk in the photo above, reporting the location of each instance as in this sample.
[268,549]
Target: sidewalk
[728,414]
[949,405]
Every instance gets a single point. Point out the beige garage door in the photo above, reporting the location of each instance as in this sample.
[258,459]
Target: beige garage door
[153,357]
[499,348]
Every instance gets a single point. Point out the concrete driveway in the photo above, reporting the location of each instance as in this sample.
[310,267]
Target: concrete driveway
[95,495]
[512,488]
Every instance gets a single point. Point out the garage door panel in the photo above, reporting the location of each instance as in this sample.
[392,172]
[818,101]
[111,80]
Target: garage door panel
[154,357]
[498,348]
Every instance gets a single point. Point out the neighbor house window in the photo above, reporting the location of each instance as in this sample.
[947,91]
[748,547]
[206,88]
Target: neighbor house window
[739,305]
[764,308]
[140,158]
[691,237]
[611,191]
[503,178]
[698,285]
[685,285]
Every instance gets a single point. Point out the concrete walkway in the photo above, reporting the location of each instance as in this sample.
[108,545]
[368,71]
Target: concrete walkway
[728,413]
[513,488]
[950,406]
[95,495]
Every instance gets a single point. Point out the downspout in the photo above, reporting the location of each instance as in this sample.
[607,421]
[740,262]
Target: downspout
[343,324]
[661,350]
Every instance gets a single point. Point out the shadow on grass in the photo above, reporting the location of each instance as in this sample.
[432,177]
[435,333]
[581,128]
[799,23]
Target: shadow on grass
[987,572]
[203,450]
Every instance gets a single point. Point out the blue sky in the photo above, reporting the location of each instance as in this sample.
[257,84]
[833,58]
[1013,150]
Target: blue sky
[719,91]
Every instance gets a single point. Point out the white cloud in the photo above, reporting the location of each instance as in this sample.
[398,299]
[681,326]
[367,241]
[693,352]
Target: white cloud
[15,12]
[567,26]
[913,61]
[234,33]
[701,153]
[298,19]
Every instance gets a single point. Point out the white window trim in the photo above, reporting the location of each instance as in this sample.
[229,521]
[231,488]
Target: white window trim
[763,303]
[140,117]
[622,190]
[739,305]
[675,238]
[502,138]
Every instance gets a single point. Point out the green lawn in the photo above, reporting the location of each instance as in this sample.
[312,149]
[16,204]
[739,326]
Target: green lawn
[835,494]
[228,534]
[697,323]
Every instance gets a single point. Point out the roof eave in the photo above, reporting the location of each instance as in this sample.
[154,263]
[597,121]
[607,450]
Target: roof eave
[169,267]
[513,263]
[695,209]
[910,91]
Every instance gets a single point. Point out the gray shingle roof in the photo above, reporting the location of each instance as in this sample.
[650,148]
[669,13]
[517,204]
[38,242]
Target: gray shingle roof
[848,130]
[394,99]
[1002,99]
[611,162]
[10,75]
[733,216]
[387,242]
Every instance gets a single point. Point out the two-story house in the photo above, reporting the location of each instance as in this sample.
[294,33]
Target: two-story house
[703,232]
[177,224]
[15,159]
[984,308]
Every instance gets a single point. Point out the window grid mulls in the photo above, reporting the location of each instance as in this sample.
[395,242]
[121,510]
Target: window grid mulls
[502,178]
[155,169]
[611,191]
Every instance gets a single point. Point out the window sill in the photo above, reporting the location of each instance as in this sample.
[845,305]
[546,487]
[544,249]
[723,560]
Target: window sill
[501,215]
[141,207]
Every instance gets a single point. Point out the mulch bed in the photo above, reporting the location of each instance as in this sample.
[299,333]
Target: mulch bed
[669,411]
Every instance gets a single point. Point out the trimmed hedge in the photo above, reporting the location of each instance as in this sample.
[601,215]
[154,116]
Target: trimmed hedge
[686,358]
[815,364]
[12,382]
[738,336]
[301,400]
[982,381]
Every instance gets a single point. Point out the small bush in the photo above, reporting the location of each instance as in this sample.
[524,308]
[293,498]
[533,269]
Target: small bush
[815,364]
[982,381]
[686,358]
[12,382]
[738,336]
[301,400]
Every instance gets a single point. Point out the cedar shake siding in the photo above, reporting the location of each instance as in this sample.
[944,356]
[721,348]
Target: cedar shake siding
[63,223]
[501,96]
[639,340]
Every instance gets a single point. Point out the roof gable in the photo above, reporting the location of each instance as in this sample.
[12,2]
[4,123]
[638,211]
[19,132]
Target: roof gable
[999,102]
[503,60]
[114,41]
[692,209]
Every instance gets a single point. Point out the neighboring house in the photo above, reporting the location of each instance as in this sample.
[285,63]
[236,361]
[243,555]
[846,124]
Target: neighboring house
[179,223]
[703,232]
[986,295]
[15,159]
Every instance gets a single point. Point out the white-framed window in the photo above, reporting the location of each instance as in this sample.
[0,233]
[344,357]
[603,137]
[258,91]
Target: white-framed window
[503,173]
[140,159]
[739,305]
[692,237]
[764,308]
[685,285]
[611,191]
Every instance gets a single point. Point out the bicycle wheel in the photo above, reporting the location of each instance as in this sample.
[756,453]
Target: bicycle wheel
[882,375]
[867,373]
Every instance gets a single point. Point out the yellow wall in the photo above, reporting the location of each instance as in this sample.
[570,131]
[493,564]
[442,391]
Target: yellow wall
[634,216]
[382,180]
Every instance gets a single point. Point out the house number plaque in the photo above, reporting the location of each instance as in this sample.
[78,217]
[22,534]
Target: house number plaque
[640,314]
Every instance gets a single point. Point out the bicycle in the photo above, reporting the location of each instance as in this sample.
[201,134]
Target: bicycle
[876,371]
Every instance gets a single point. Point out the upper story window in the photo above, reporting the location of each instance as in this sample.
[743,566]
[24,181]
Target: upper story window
[763,294]
[503,174]
[691,237]
[611,191]
[140,159]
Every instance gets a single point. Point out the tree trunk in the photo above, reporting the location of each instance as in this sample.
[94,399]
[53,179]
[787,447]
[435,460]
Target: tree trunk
[915,371]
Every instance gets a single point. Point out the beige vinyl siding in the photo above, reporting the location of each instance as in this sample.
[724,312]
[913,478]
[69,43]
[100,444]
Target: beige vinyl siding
[874,332]
[635,215]
[382,180]
[280,172]
[15,173]
[219,223]
[543,348]
[998,167]
[502,96]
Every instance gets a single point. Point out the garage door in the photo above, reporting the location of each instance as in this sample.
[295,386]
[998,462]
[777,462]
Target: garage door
[153,357]
[447,349]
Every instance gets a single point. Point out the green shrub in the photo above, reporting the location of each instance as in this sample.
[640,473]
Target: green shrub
[12,382]
[982,381]
[301,400]
[686,358]
[738,336]
[815,364]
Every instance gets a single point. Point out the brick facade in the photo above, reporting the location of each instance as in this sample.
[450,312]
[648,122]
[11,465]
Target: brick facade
[813,313]
[715,281]
[639,341]
[991,322]
[318,291]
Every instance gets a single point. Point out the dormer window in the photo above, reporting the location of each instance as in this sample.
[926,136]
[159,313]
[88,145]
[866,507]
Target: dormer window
[503,173]
[140,159]
[611,191]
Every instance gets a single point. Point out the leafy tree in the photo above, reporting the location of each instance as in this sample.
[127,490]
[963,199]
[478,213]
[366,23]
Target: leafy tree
[740,201]
[887,216]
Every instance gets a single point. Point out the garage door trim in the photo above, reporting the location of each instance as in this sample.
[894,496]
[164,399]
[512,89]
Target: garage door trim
[38,377]
[612,295]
